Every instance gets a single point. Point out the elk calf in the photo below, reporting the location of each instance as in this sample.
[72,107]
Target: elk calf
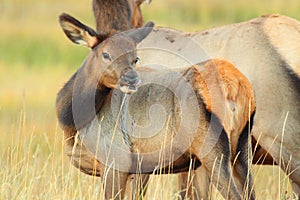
[209,107]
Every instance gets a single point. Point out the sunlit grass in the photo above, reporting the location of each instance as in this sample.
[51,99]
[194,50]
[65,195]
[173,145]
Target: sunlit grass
[36,59]
[36,168]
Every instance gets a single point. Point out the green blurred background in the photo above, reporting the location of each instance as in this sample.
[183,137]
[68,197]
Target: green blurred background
[36,59]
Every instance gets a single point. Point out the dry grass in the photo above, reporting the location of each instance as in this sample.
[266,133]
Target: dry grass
[34,167]
[36,59]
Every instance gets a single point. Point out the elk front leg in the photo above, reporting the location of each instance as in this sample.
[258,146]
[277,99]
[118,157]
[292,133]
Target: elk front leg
[137,185]
[114,184]
[197,187]
[218,165]
[242,166]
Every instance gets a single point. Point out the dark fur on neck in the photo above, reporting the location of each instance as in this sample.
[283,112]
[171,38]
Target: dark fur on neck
[85,113]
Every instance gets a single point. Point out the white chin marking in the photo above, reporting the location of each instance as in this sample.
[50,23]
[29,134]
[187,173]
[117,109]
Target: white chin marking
[127,90]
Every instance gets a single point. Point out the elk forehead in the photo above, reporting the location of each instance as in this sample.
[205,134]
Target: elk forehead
[118,46]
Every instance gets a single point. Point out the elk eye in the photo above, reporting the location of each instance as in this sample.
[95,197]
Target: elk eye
[136,60]
[106,56]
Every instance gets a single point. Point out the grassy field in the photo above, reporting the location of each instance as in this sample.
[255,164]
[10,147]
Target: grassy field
[36,59]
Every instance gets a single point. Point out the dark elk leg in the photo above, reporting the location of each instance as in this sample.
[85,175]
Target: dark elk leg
[287,163]
[260,155]
[137,185]
[242,165]
[140,185]
[197,187]
[188,188]
[218,165]
[114,184]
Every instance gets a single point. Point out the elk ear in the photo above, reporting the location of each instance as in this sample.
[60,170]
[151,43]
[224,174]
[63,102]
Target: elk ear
[78,32]
[139,34]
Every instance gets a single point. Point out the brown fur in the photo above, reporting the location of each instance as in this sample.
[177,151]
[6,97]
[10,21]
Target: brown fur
[137,17]
[226,83]
[220,80]
[114,16]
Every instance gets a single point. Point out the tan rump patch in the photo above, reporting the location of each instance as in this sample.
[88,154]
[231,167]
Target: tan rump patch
[227,93]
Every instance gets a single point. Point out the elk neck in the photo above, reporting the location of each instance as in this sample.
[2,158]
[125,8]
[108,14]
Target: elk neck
[81,98]
[112,16]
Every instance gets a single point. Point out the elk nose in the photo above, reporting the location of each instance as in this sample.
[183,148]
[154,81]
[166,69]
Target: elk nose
[130,78]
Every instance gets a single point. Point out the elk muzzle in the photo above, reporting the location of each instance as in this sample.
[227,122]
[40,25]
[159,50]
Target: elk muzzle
[129,82]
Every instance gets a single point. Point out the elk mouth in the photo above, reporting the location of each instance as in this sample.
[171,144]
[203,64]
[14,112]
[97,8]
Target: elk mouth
[129,88]
[129,82]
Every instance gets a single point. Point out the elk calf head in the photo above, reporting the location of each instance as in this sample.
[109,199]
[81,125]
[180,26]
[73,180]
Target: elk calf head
[114,57]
